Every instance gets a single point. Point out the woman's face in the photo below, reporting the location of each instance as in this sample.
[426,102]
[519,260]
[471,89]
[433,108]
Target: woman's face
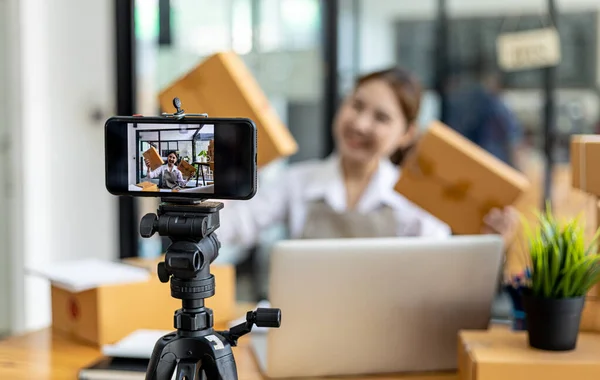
[171,159]
[370,123]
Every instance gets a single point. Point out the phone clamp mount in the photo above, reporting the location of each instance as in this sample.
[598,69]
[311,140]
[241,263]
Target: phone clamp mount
[180,114]
[195,350]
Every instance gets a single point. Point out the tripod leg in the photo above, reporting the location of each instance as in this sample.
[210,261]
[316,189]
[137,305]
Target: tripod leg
[188,370]
[161,364]
[222,368]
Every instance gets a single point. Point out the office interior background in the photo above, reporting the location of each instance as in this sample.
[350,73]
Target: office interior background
[66,66]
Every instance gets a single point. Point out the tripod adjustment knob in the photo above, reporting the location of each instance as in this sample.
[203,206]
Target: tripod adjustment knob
[264,317]
[163,274]
[148,225]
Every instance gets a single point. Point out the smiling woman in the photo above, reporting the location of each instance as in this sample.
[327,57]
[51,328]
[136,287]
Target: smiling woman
[351,193]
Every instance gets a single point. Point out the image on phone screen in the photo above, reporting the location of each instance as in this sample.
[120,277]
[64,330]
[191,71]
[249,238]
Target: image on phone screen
[170,158]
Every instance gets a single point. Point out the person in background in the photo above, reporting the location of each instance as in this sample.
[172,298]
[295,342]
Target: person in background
[170,176]
[476,111]
[350,194]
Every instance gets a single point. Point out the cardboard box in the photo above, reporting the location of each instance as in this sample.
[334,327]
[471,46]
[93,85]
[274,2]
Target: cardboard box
[585,161]
[222,86]
[153,158]
[456,180]
[500,354]
[585,176]
[590,319]
[211,150]
[148,186]
[106,314]
[186,169]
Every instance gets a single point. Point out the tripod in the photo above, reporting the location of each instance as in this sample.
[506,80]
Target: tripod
[196,350]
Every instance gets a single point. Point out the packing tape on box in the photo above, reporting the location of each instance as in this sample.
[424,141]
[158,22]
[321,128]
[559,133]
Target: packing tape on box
[457,192]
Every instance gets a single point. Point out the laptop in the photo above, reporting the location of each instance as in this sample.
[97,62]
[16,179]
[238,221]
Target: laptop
[377,305]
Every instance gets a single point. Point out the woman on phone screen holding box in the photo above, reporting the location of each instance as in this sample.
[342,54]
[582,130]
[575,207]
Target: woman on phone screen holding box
[170,176]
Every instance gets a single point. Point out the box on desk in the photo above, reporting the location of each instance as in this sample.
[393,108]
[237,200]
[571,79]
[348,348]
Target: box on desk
[222,86]
[500,354]
[456,180]
[104,314]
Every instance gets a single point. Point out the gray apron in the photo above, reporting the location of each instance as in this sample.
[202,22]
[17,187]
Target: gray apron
[322,222]
[169,178]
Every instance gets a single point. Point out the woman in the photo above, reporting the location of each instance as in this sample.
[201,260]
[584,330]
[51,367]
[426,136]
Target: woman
[351,193]
[170,176]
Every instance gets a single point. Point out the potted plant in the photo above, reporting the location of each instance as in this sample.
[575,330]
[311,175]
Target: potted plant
[562,271]
[203,156]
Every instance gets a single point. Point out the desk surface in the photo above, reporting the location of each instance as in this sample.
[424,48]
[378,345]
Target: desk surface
[43,355]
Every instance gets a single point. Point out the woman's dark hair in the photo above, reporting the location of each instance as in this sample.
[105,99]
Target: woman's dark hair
[408,91]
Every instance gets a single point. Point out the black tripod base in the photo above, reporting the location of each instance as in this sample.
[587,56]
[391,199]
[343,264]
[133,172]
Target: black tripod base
[205,357]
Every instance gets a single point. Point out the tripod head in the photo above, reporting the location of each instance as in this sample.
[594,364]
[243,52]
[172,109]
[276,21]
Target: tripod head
[195,347]
[190,227]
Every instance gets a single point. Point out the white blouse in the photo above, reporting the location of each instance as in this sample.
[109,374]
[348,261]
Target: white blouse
[287,200]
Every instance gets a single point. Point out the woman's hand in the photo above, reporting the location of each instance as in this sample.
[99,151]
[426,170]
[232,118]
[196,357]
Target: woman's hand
[147,163]
[504,222]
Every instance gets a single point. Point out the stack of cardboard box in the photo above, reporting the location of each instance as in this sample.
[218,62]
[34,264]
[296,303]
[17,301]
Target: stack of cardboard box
[211,155]
[585,154]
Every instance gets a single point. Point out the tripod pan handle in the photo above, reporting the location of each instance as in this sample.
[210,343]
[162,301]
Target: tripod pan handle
[268,317]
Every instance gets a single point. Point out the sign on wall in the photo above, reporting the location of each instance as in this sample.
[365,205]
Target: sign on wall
[530,49]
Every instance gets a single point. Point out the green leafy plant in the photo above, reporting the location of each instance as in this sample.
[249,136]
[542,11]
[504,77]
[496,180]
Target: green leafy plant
[203,154]
[561,264]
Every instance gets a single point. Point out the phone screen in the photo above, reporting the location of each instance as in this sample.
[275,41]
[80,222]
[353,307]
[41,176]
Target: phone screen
[194,158]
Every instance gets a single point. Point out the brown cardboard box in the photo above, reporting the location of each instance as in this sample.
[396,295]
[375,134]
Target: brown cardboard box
[153,158]
[500,354]
[148,186]
[585,157]
[145,184]
[106,314]
[222,86]
[186,169]
[590,318]
[456,180]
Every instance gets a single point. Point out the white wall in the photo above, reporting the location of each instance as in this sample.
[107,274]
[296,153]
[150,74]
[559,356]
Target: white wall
[12,259]
[66,73]
[5,296]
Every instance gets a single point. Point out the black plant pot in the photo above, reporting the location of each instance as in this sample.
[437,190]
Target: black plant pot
[553,324]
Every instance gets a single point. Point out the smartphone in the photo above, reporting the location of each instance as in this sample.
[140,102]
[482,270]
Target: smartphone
[193,157]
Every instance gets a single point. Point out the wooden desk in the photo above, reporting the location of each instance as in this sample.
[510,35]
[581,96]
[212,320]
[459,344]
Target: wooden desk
[43,355]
